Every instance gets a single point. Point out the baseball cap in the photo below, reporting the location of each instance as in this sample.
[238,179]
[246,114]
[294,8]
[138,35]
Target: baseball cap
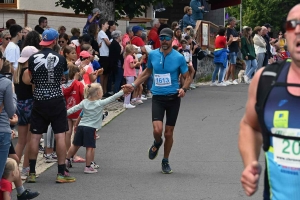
[244,27]
[166,32]
[190,27]
[26,53]
[85,54]
[267,25]
[48,36]
[135,29]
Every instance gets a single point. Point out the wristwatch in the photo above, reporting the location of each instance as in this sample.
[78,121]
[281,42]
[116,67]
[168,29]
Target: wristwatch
[184,89]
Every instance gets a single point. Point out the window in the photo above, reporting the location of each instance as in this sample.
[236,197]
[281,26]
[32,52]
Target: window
[8,3]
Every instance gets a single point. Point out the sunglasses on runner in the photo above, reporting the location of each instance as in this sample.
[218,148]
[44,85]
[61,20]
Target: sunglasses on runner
[291,24]
[164,37]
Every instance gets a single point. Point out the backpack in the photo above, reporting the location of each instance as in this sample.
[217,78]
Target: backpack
[201,54]
[267,81]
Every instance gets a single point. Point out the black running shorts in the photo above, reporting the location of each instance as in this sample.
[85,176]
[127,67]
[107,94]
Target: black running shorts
[165,104]
[48,112]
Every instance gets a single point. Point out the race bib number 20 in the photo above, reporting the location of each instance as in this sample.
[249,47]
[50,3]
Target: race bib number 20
[162,80]
[286,151]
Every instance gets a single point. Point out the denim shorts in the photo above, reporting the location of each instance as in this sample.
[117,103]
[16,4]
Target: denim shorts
[232,57]
[24,108]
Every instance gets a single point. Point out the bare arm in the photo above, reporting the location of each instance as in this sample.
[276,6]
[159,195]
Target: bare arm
[250,137]
[107,42]
[26,78]
[143,77]
[6,195]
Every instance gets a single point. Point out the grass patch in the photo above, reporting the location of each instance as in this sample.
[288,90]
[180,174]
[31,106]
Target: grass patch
[205,78]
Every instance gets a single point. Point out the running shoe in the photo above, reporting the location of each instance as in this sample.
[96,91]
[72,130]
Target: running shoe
[24,173]
[68,164]
[192,86]
[221,84]
[138,102]
[49,158]
[149,95]
[31,178]
[90,170]
[152,154]
[27,194]
[41,149]
[66,178]
[94,165]
[213,84]
[235,82]
[128,106]
[143,98]
[165,168]
[229,83]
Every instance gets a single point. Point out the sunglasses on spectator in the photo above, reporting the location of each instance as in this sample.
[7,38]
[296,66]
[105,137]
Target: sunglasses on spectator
[3,58]
[61,41]
[82,59]
[8,38]
[167,38]
[291,24]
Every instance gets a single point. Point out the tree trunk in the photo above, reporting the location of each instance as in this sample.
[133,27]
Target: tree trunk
[107,8]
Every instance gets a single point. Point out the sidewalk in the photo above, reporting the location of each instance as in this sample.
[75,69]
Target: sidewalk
[114,109]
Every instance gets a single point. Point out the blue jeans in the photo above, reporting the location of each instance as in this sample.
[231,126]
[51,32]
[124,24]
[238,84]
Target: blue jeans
[5,139]
[218,66]
[251,67]
[118,79]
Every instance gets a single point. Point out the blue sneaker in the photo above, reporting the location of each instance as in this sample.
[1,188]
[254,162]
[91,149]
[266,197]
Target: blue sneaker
[165,168]
[153,151]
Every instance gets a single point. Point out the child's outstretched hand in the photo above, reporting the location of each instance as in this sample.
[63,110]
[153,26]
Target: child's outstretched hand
[13,134]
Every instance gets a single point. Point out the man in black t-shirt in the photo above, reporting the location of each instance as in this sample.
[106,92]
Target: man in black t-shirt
[47,68]
[233,50]
[43,22]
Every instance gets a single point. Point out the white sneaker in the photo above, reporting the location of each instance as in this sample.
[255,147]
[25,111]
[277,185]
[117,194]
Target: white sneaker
[228,82]
[94,165]
[90,170]
[41,140]
[128,106]
[235,82]
[138,102]
[143,98]
[213,84]
[149,95]
[246,79]
[24,173]
[221,84]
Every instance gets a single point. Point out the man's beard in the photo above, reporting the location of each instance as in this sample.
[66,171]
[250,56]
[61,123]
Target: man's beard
[165,47]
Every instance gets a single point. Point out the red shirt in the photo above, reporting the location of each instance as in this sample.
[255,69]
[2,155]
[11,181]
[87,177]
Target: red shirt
[73,93]
[137,41]
[5,186]
[220,42]
[153,36]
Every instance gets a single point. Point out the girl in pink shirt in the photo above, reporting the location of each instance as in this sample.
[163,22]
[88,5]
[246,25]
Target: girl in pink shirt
[129,66]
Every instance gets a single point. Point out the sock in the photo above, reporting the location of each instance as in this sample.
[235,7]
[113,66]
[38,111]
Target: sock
[32,164]
[133,99]
[61,169]
[165,160]
[20,190]
[25,169]
[88,166]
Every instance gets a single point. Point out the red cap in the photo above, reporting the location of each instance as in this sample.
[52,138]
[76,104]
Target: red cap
[85,54]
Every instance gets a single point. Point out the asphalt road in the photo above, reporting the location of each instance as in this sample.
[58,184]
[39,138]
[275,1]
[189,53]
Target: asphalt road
[205,159]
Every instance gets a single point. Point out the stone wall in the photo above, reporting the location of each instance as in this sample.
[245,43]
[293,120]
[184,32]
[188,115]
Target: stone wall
[205,67]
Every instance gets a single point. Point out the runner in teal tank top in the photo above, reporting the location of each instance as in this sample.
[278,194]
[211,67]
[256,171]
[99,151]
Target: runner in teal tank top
[275,126]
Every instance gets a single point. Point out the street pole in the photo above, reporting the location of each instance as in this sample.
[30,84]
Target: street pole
[241,8]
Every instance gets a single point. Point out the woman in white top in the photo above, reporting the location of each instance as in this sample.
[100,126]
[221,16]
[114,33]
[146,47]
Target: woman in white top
[103,43]
[260,46]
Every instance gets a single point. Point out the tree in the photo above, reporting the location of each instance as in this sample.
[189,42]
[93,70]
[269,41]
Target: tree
[259,12]
[112,9]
